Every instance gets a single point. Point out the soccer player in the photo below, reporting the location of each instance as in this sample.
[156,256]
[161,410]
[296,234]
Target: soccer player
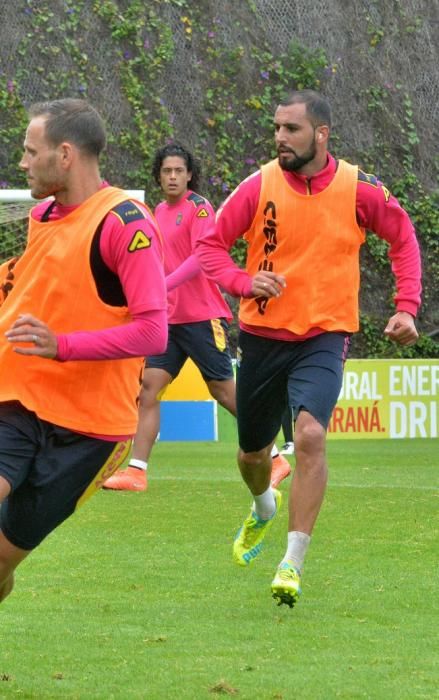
[198,314]
[79,310]
[304,217]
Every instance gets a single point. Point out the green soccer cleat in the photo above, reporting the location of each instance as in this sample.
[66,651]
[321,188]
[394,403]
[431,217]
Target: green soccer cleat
[285,587]
[248,541]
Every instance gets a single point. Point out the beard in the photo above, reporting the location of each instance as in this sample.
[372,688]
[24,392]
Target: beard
[295,163]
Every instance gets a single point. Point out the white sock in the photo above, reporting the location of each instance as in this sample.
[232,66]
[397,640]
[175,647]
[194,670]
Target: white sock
[274,451]
[138,463]
[265,505]
[298,543]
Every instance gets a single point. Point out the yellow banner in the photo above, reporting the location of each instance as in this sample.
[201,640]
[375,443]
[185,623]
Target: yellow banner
[387,399]
[188,386]
[379,398]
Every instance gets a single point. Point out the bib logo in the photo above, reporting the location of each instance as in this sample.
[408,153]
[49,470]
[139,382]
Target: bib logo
[8,284]
[139,241]
[270,228]
[270,232]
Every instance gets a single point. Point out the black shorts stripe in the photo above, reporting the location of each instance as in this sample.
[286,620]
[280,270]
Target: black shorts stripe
[205,342]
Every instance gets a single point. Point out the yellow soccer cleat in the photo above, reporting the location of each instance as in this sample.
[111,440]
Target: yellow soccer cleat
[248,541]
[285,587]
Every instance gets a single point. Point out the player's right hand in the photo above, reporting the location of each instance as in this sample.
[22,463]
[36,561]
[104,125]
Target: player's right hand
[28,329]
[268,284]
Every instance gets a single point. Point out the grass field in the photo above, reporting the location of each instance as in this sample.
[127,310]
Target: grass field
[137,597]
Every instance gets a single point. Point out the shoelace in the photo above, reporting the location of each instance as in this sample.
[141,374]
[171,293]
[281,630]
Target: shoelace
[288,575]
[251,530]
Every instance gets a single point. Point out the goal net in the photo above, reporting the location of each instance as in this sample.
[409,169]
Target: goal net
[15,206]
[14,210]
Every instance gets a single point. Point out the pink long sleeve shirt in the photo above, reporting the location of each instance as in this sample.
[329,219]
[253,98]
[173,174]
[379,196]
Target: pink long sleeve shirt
[192,296]
[376,210]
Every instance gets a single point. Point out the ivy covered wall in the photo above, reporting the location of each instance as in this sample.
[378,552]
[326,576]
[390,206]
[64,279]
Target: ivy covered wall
[210,74]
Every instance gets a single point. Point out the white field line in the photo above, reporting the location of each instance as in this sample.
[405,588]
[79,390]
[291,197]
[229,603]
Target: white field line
[217,479]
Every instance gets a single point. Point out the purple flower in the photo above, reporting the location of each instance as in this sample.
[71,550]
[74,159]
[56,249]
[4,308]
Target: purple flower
[4,184]
[264,74]
[250,161]
[211,35]
[82,88]
[225,187]
[11,86]
[127,55]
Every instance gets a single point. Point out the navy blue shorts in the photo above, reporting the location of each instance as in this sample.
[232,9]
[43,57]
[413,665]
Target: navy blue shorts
[51,471]
[306,374]
[205,342]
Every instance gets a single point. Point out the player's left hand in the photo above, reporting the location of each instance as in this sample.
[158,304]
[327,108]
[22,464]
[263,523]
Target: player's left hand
[28,329]
[401,328]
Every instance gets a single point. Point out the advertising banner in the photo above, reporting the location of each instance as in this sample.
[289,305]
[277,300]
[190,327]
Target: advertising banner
[380,399]
[387,399]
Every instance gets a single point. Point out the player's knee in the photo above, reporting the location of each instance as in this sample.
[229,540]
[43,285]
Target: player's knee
[150,394]
[253,459]
[6,575]
[309,437]
[6,587]
[227,401]
[10,557]
[5,488]
[146,396]
[225,396]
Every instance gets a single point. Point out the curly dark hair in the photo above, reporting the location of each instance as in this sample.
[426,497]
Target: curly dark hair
[176,149]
